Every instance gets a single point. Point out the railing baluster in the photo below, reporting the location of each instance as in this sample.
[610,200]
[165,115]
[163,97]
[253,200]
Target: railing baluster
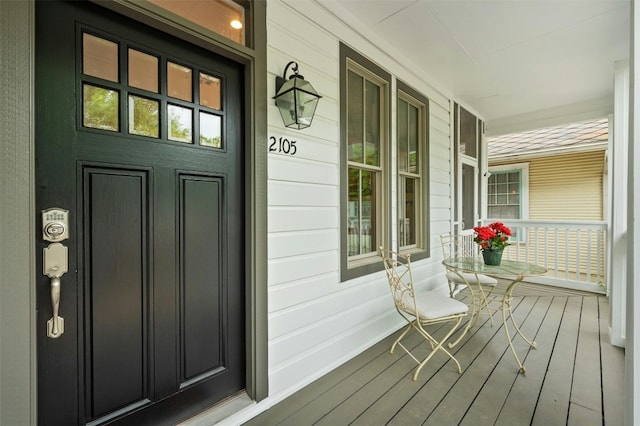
[578,258]
[566,254]
[589,255]
[546,252]
[598,245]
[556,265]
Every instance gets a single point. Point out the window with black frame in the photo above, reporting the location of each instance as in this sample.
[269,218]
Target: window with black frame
[365,169]
[412,165]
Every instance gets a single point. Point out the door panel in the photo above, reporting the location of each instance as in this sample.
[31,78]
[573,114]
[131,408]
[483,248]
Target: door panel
[118,286]
[201,272]
[153,300]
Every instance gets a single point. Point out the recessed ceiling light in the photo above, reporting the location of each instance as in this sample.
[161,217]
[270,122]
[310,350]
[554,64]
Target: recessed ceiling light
[236,24]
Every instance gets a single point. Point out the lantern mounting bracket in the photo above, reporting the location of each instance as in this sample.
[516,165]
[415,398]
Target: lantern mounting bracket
[280,80]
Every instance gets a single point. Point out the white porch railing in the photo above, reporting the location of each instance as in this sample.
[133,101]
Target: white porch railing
[574,252]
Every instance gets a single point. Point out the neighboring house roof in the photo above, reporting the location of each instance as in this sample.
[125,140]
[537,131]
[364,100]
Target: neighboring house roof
[575,137]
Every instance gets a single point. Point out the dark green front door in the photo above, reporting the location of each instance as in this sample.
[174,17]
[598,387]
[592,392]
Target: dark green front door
[139,137]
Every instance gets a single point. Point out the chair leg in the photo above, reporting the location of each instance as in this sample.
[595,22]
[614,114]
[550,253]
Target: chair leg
[438,346]
[404,333]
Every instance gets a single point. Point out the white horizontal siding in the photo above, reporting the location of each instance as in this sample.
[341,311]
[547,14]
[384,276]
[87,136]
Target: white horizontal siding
[302,266]
[301,194]
[288,218]
[283,168]
[286,295]
[317,322]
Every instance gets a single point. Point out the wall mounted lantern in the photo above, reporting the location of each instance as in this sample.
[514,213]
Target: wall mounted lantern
[296,99]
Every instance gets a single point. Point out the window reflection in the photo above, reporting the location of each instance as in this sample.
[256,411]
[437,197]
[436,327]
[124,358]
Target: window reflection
[361,211]
[143,117]
[355,117]
[180,123]
[210,130]
[100,108]
[408,217]
[372,123]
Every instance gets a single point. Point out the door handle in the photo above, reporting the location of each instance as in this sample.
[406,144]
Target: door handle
[55,264]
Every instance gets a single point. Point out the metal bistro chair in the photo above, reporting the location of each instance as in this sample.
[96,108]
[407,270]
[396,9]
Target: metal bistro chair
[420,309]
[462,245]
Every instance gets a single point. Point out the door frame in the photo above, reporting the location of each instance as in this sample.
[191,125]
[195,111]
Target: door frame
[255,131]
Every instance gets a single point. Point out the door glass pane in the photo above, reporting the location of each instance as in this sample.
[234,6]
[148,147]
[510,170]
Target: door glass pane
[143,71]
[468,133]
[144,117]
[100,108]
[372,124]
[224,17]
[210,91]
[210,130]
[355,117]
[180,123]
[468,196]
[179,81]
[99,57]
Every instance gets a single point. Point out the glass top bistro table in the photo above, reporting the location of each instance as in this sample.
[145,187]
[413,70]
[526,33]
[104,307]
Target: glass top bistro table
[512,270]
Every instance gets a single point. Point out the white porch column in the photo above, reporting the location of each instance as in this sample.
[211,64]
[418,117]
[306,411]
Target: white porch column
[632,352]
[617,207]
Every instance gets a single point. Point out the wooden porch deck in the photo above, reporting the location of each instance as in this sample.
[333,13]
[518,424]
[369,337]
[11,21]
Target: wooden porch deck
[573,377]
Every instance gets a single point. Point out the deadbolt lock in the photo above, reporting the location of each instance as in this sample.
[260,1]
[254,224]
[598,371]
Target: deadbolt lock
[55,225]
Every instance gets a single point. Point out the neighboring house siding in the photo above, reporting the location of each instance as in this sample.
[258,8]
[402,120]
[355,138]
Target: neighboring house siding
[317,322]
[567,187]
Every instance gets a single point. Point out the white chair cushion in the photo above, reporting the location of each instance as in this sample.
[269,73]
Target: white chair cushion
[471,278]
[433,305]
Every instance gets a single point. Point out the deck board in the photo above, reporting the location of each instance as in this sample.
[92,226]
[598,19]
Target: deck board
[565,382]
[613,374]
[492,396]
[523,396]
[587,387]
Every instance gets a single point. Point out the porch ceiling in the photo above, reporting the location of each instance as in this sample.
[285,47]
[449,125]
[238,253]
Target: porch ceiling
[505,59]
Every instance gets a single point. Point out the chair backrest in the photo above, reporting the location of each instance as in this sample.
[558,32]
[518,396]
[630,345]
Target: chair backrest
[459,245]
[398,268]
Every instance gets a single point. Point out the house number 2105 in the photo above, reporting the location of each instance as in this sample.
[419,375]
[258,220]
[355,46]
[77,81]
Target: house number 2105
[283,145]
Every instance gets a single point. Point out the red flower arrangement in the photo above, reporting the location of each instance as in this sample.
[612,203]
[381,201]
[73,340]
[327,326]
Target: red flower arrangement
[492,237]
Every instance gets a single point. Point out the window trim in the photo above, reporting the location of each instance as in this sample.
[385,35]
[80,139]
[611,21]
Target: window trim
[422,249]
[523,168]
[364,264]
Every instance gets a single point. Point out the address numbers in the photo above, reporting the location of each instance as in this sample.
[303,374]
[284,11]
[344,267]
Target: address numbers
[282,145]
